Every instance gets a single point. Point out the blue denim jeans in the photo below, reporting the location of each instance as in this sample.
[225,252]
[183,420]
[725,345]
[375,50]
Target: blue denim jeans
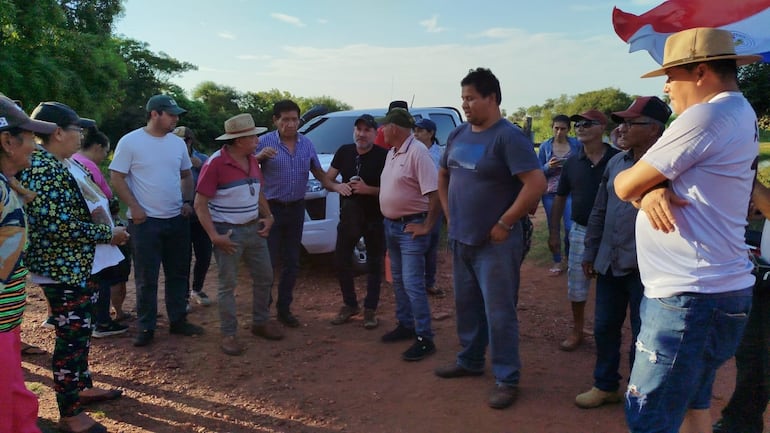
[407,265]
[613,296]
[157,241]
[285,243]
[744,412]
[252,251]
[698,331]
[567,218]
[432,255]
[486,280]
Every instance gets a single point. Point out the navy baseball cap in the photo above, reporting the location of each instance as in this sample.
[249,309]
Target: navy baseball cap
[426,124]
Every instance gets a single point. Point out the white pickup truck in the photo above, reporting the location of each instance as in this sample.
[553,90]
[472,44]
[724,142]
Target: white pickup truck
[328,132]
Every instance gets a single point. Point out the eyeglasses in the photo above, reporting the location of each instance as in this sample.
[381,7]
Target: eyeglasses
[74,128]
[630,124]
[585,123]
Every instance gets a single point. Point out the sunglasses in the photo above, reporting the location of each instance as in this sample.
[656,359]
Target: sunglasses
[585,123]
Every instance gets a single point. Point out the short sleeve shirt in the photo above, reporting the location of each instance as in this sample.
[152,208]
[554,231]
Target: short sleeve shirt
[407,177]
[483,181]
[368,166]
[233,193]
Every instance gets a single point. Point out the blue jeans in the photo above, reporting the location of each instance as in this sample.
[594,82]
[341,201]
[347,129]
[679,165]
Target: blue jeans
[201,246]
[285,243]
[486,280]
[432,255]
[698,331]
[407,265]
[613,296]
[567,218]
[252,251]
[752,361]
[157,241]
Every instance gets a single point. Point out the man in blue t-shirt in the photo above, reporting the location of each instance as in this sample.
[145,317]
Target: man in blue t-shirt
[489,179]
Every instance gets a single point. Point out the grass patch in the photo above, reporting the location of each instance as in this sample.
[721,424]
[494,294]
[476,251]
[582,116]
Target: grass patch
[37,388]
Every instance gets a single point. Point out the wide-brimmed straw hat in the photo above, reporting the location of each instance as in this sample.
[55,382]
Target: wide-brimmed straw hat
[240,125]
[701,44]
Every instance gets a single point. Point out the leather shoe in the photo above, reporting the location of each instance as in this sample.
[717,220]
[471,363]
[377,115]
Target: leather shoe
[144,338]
[288,319]
[112,394]
[231,346]
[267,330]
[570,343]
[454,370]
[183,327]
[502,396]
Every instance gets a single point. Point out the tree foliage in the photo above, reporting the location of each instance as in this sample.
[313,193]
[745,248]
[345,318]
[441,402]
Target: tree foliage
[754,81]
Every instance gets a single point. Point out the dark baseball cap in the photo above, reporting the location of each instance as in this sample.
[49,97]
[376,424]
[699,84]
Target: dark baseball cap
[648,106]
[426,124]
[164,103]
[590,115]
[12,116]
[368,120]
[60,114]
[398,104]
[398,116]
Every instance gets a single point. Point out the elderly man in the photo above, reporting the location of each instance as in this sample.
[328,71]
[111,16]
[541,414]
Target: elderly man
[234,213]
[610,250]
[150,172]
[410,205]
[693,189]
[360,165]
[580,177]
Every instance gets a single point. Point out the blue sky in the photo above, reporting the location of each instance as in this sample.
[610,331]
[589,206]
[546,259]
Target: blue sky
[369,53]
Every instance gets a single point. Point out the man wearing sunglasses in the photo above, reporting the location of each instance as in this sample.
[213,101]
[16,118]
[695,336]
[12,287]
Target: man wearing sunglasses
[581,175]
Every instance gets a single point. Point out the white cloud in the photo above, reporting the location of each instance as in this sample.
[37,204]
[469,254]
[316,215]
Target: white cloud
[322,21]
[288,19]
[252,57]
[226,35]
[496,33]
[431,25]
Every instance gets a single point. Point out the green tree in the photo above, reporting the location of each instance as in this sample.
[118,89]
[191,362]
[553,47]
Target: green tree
[754,81]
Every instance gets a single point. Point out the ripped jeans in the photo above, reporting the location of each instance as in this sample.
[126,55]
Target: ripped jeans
[698,331]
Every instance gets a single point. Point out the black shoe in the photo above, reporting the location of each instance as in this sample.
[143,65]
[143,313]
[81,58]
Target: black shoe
[454,370]
[144,338]
[502,396]
[419,350]
[401,333]
[112,328]
[183,327]
[288,319]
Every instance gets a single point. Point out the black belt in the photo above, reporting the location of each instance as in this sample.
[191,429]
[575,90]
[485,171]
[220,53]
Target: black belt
[284,203]
[407,218]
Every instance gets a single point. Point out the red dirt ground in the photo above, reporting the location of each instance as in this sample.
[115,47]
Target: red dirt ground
[325,379]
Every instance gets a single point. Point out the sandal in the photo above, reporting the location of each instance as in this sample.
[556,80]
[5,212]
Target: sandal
[28,349]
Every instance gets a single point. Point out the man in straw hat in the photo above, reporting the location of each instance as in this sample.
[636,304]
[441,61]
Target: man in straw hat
[693,189]
[233,210]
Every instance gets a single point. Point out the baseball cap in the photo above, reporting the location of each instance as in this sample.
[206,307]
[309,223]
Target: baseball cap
[164,103]
[590,115]
[426,124]
[60,114]
[398,116]
[367,119]
[649,106]
[11,116]
[398,104]
[184,132]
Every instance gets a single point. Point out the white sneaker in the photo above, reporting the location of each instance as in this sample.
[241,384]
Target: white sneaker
[201,298]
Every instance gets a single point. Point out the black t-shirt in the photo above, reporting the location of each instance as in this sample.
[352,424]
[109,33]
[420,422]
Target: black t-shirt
[368,166]
[581,178]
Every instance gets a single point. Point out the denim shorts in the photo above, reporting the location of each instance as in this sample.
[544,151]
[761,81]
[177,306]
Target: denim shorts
[683,341]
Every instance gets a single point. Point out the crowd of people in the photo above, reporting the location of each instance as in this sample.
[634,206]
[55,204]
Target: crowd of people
[682,271]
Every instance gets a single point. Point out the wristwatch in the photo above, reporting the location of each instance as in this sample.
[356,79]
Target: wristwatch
[504,225]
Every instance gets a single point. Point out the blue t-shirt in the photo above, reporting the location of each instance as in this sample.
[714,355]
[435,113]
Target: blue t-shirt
[483,182]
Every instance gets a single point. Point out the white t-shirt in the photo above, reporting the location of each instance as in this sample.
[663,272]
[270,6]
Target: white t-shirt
[707,154]
[152,166]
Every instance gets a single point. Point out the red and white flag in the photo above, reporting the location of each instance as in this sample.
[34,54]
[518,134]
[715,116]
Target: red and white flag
[748,20]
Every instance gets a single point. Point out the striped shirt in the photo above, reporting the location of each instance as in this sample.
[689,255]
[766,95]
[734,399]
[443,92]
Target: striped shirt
[286,174]
[13,238]
[232,192]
